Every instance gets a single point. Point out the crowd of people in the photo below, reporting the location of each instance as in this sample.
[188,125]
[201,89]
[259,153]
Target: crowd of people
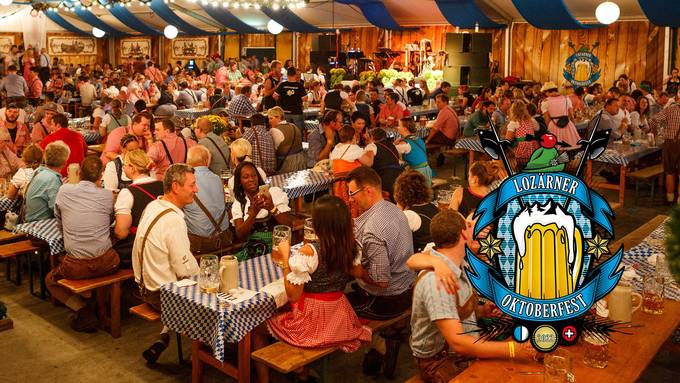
[161,187]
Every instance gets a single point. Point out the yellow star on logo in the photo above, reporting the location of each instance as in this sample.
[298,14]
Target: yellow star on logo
[490,246]
[597,246]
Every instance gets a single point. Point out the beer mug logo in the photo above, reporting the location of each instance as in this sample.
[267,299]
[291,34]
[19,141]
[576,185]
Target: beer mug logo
[547,256]
[582,68]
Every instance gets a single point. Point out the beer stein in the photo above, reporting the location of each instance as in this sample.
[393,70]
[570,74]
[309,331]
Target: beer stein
[209,274]
[280,234]
[228,273]
[652,294]
[621,298]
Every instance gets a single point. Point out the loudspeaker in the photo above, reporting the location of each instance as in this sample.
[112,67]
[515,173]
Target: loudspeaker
[481,43]
[468,62]
[321,57]
[465,75]
[325,43]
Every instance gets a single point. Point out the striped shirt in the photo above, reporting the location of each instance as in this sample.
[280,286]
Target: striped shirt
[387,243]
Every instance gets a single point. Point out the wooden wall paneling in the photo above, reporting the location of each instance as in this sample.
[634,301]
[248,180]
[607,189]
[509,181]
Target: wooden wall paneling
[304,44]
[519,51]
[284,46]
[231,43]
[651,49]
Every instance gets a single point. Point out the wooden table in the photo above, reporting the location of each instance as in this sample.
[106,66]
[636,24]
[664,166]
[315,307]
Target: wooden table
[96,148]
[622,156]
[629,355]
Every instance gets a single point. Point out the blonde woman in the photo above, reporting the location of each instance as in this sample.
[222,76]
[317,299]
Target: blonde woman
[132,200]
[240,150]
[32,157]
[521,124]
[287,142]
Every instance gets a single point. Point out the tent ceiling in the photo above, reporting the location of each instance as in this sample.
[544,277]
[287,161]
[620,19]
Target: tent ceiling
[327,14]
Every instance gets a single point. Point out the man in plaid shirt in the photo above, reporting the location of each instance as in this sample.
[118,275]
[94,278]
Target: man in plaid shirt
[669,117]
[240,105]
[264,154]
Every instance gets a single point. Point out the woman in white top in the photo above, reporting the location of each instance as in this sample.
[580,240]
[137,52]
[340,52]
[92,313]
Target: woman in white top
[256,211]
[239,151]
[114,177]
[638,117]
[32,157]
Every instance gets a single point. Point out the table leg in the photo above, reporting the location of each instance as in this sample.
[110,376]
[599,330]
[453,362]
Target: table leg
[471,159]
[196,363]
[589,172]
[244,359]
[622,184]
[115,310]
[298,205]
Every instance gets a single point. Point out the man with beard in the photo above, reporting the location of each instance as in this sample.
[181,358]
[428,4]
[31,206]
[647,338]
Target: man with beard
[18,131]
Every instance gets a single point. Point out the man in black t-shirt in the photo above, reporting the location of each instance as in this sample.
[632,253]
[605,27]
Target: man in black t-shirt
[415,96]
[291,96]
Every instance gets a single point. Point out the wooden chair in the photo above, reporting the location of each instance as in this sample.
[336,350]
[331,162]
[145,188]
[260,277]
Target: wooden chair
[286,358]
[12,251]
[108,285]
[458,154]
[148,313]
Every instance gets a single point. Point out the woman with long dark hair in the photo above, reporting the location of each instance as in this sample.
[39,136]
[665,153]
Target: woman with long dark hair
[315,277]
[256,211]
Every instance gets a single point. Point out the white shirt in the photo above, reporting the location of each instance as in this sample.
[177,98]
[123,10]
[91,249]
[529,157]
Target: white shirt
[347,152]
[277,137]
[125,199]
[544,105]
[513,125]
[166,257]
[618,117]
[403,148]
[302,266]
[414,220]
[21,179]
[87,93]
[111,176]
[99,112]
[279,198]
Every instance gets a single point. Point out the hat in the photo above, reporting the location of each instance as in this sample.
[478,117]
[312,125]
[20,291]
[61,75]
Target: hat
[52,107]
[123,89]
[549,86]
[544,160]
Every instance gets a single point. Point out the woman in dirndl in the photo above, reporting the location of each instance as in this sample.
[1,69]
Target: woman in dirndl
[521,124]
[558,114]
[318,313]
[256,211]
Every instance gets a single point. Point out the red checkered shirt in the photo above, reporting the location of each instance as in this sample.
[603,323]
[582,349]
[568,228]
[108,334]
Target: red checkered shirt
[670,118]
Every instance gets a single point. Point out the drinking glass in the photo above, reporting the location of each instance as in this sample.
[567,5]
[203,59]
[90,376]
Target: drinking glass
[652,294]
[209,274]
[444,198]
[3,186]
[310,234]
[280,234]
[596,353]
[557,365]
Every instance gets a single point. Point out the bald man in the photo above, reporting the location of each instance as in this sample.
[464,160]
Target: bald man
[206,218]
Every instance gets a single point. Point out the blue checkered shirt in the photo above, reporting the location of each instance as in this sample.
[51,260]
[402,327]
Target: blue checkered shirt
[264,154]
[240,106]
[387,243]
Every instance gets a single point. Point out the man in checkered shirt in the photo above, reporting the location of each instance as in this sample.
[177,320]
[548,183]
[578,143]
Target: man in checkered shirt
[240,105]
[264,154]
[670,118]
[386,241]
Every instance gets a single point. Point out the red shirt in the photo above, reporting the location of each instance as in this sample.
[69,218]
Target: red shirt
[75,142]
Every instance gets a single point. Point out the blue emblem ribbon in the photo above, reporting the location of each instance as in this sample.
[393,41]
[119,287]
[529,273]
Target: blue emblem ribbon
[490,284]
[593,205]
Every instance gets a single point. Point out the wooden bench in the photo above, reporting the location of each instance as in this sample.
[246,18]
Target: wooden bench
[286,358]
[647,175]
[149,314]
[8,237]
[458,154]
[415,379]
[11,251]
[103,286]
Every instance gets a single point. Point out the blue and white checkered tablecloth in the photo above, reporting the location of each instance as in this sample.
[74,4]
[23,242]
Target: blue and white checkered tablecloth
[79,123]
[637,257]
[8,204]
[311,125]
[91,137]
[200,316]
[469,143]
[619,154]
[311,112]
[46,230]
[422,110]
[192,113]
[301,183]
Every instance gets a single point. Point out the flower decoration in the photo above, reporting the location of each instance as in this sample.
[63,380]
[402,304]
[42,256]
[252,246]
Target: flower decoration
[490,246]
[598,246]
[219,125]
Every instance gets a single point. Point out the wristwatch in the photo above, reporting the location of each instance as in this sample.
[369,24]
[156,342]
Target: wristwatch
[274,210]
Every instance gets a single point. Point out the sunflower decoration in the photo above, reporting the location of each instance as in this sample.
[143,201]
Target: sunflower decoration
[218,123]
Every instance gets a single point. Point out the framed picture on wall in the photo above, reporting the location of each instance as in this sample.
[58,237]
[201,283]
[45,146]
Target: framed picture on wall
[71,46]
[6,43]
[135,48]
[187,48]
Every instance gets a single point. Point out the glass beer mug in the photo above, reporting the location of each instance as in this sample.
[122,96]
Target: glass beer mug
[209,274]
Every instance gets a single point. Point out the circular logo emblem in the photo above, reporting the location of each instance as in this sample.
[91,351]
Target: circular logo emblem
[521,334]
[569,333]
[545,338]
